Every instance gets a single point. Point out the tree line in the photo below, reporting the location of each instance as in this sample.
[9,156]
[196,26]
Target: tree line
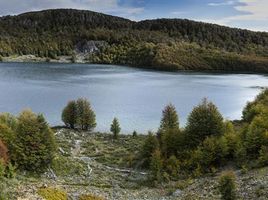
[208,142]
[162,44]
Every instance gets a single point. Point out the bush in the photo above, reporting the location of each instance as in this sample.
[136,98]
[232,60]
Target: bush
[69,115]
[205,120]
[90,197]
[3,153]
[227,186]
[211,154]
[150,145]
[263,156]
[35,143]
[2,168]
[156,166]
[86,117]
[52,194]
[172,167]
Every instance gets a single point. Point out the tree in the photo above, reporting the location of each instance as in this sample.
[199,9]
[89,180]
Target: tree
[156,166]
[169,118]
[227,186]
[134,134]
[3,153]
[150,145]
[115,128]
[35,143]
[69,114]
[205,120]
[86,118]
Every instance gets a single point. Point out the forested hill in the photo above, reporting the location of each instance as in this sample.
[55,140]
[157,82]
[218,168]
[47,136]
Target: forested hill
[161,43]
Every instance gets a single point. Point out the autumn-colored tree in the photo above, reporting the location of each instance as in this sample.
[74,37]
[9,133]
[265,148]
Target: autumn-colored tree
[3,153]
[69,114]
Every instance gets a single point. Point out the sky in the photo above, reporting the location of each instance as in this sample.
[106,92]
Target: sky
[248,14]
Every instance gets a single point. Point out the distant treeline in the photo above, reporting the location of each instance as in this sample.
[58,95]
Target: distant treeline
[161,43]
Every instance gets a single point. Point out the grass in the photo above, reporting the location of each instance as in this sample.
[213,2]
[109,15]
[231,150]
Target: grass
[52,194]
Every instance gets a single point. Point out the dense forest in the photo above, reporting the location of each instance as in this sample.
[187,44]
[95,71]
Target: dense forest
[161,43]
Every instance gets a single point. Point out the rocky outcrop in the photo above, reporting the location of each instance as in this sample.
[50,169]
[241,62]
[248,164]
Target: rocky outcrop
[91,46]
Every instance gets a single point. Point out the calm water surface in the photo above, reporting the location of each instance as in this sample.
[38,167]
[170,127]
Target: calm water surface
[135,96]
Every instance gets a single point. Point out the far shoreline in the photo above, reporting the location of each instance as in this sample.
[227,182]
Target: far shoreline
[68,60]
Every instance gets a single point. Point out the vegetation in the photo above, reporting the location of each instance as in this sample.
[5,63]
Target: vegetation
[166,44]
[115,128]
[227,186]
[90,197]
[208,142]
[79,114]
[29,139]
[52,194]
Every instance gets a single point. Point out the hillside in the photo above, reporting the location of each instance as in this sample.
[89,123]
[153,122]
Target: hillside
[162,43]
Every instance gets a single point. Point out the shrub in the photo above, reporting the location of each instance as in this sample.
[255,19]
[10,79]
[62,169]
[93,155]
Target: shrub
[52,194]
[2,168]
[90,197]
[263,156]
[172,166]
[115,128]
[156,166]
[86,117]
[227,186]
[205,120]
[35,143]
[211,154]
[69,115]
[3,153]
[150,145]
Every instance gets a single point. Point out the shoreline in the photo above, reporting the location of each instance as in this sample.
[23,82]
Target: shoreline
[81,60]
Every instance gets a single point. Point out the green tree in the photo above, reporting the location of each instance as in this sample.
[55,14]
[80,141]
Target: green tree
[150,145]
[205,120]
[86,118]
[172,166]
[227,186]
[35,144]
[156,166]
[169,118]
[69,114]
[115,128]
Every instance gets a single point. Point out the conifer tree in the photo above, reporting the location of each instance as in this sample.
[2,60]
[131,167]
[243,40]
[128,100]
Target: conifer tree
[205,120]
[169,118]
[115,128]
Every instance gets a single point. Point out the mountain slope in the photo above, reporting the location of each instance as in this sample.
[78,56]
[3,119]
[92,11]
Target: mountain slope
[162,43]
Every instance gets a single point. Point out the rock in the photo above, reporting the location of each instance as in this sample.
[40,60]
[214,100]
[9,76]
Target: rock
[177,193]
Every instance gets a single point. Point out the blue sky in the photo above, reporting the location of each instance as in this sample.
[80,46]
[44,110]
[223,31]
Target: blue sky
[250,14]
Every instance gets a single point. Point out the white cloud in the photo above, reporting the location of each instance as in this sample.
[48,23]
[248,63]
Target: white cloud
[178,12]
[252,14]
[226,3]
[109,6]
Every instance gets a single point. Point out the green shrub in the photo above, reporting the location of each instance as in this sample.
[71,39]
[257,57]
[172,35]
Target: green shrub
[52,194]
[263,156]
[150,145]
[156,166]
[227,186]
[2,168]
[35,144]
[90,197]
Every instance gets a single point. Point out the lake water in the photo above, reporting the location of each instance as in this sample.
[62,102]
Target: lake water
[135,96]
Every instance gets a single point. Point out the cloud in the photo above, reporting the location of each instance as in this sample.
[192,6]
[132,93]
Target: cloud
[12,7]
[178,12]
[227,3]
[251,14]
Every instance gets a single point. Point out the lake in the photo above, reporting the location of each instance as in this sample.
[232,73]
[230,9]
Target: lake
[135,96]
